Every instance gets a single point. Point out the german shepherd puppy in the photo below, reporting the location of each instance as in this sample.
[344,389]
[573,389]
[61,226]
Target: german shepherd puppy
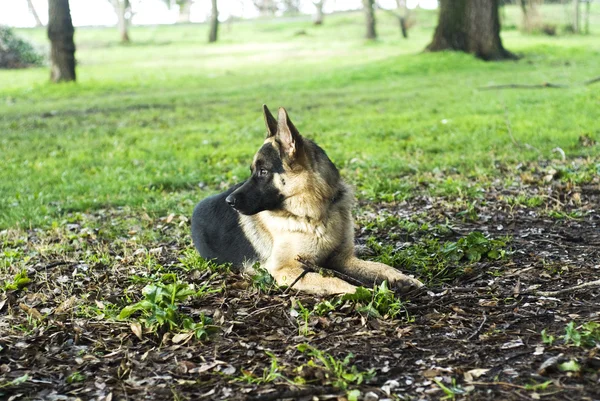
[293,205]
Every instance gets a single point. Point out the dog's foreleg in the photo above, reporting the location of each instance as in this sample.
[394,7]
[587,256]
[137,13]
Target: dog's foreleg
[292,272]
[375,272]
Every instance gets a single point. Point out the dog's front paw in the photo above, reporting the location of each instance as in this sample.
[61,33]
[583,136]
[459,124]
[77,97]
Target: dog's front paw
[405,284]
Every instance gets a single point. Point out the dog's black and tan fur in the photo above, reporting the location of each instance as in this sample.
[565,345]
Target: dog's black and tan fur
[294,204]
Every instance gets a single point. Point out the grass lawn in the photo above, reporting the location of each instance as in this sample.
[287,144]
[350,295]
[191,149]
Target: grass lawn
[98,179]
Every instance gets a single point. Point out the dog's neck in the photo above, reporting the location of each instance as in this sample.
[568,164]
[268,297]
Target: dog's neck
[302,206]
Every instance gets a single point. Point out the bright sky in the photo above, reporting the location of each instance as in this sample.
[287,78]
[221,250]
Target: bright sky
[150,12]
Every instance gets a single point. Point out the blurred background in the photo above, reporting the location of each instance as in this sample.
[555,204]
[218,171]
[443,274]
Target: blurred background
[404,95]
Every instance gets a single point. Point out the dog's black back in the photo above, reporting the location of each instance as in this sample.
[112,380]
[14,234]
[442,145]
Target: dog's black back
[217,232]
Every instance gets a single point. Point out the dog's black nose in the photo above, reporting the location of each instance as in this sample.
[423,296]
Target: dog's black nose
[230,200]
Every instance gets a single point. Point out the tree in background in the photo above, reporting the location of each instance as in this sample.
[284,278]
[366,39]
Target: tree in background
[402,14]
[124,13]
[576,17]
[185,7]
[369,10]
[291,7]
[214,23]
[471,26]
[62,46]
[531,15]
[266,7]
[319,13]
[38,22]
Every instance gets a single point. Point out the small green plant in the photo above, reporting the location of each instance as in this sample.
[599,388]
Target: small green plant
[573,215]
[15,382]
[262,280]
[547,338]
[586,335]
[338,373]
[191,260]
[451,391]
[303,313]
[379,302]
[538,386]
[159,309]
[474,247]
[19,281]
[268,375]
[440,262]
[75,377]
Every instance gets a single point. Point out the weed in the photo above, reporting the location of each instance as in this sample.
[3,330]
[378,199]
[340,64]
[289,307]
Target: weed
[75,377]
[299,310]
[338,373]
[538,386]
[191,260]
[547,338]
[586,335]
[268,375]
[439,262]
[379,302]
[567,215]
[262,280]
[159,309]
[19,281]
[451,391]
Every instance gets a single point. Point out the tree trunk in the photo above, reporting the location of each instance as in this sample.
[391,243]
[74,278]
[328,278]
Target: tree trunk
[576,15]
[184,12]
[62,46]
[122,7]
[214,23]
[587,17]
[38,22]
[319,14]
[368,7]
[471,26]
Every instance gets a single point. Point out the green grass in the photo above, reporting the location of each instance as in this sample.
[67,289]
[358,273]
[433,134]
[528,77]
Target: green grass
[163,122]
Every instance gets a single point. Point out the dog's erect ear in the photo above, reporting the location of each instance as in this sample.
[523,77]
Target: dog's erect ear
[287,134]
[270,122]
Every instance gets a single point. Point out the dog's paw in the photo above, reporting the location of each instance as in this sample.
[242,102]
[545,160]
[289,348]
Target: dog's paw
[405,284]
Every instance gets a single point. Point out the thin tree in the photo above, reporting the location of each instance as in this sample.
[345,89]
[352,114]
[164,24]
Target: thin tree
[471,26]
[62,46]
[38,22]
[318,20]
[402,14]
[185,7]
[369,10]
[214,23]
[266,7]
[124,13]
[576,16]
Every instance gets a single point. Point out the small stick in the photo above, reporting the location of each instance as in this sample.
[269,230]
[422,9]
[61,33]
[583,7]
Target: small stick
[592,81]
[479,328]
[520,86]
[595,283]
[311,267]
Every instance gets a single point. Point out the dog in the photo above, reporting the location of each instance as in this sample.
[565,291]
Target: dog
[294,207]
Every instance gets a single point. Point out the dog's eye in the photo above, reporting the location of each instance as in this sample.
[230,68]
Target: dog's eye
[262,172]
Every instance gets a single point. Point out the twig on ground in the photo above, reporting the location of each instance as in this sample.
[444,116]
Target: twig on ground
[479,328]
[295,394]
[595,283]
[312,268]
[592,81]
[523,86]
[56,264]
[536,86]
